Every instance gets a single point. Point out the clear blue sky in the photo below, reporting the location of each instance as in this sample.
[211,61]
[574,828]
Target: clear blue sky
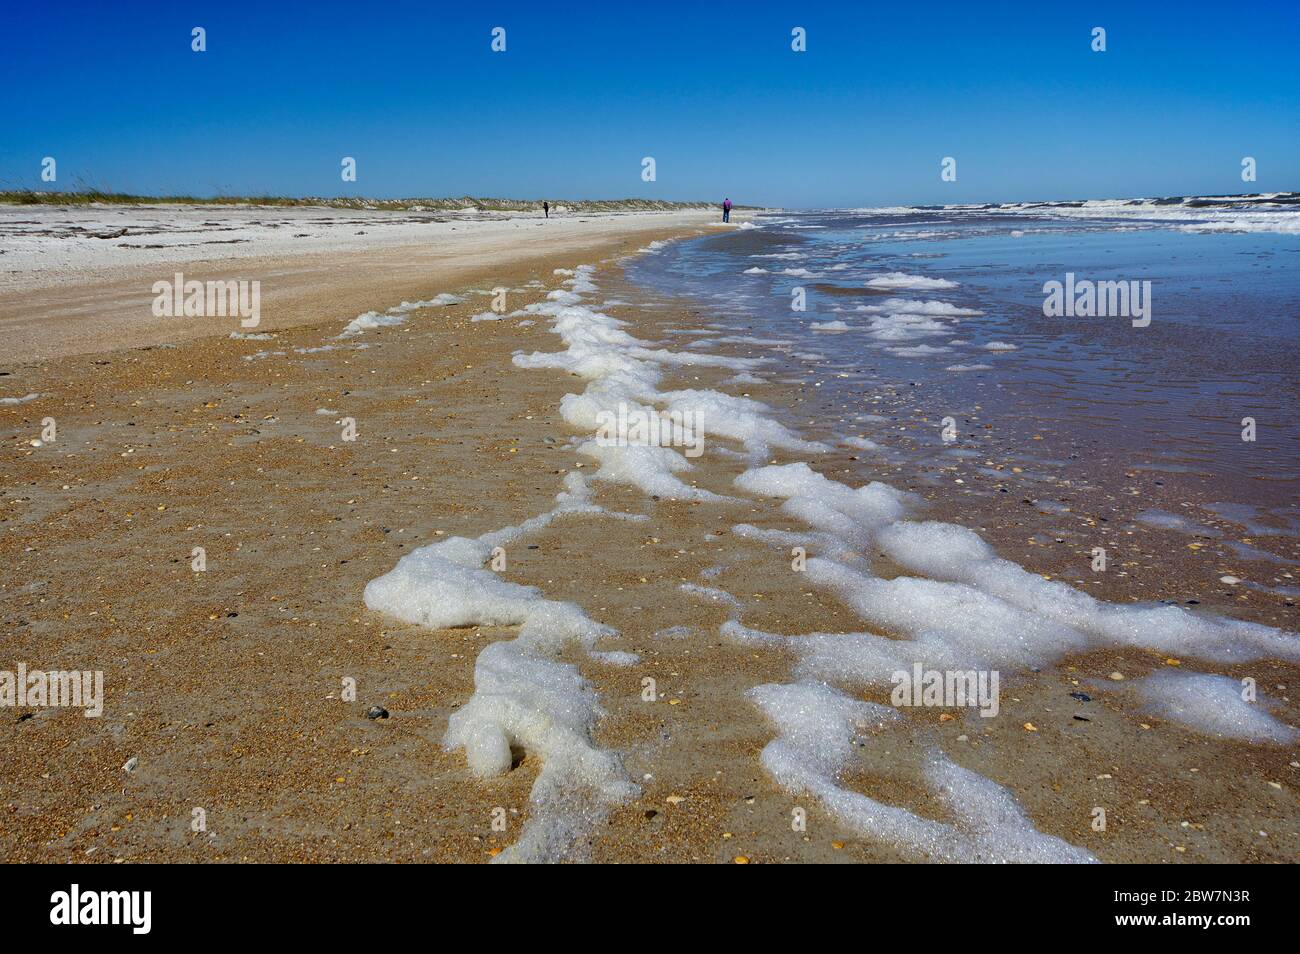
[713,92]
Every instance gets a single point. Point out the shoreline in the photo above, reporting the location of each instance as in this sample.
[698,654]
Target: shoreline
[196,443]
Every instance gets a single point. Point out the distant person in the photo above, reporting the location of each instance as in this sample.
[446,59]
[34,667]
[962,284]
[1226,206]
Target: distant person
[546,207]
[726,210]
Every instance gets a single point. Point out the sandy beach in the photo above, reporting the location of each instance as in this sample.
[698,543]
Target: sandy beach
[227,689]
[78,281]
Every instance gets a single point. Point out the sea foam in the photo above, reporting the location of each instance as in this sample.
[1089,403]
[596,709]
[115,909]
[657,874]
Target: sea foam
[523,698]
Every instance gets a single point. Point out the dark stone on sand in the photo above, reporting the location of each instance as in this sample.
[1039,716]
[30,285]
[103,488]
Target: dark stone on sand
[376,712]
[1081,696]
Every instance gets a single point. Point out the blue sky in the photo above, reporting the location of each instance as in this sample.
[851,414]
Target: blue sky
[713,92]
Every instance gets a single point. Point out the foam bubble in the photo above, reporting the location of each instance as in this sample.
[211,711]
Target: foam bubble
[20,400]
[1213,705]
[975,609]
[523,698]
[899,306]
[903,281]
[395,315]
[820,729]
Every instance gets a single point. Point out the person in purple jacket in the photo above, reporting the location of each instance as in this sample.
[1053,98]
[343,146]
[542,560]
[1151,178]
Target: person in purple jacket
[726,210]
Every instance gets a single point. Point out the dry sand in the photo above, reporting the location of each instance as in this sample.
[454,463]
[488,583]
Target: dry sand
[78,281]
[225,684]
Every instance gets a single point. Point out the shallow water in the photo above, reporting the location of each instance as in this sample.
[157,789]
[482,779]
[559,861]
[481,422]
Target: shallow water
[1170,396]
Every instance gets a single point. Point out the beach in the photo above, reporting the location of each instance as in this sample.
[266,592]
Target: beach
[585,651]
[74,282]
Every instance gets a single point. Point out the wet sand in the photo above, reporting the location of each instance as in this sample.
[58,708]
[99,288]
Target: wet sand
[226,684]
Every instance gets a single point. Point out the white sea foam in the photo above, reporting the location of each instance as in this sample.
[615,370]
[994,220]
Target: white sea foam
[370,320]
[905,327]
[919,351]
[20,400]
[395,315]
[710,593]
[973,612]
[651,469]
[851,515]
[907,306]
[861,443]
[523,698]
[1213,705]
[819,730]
[1234,213]
[742,419]
[623,371]
[901,281]
[977,609]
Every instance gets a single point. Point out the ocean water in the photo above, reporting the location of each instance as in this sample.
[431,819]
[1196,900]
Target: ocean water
[950,302]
